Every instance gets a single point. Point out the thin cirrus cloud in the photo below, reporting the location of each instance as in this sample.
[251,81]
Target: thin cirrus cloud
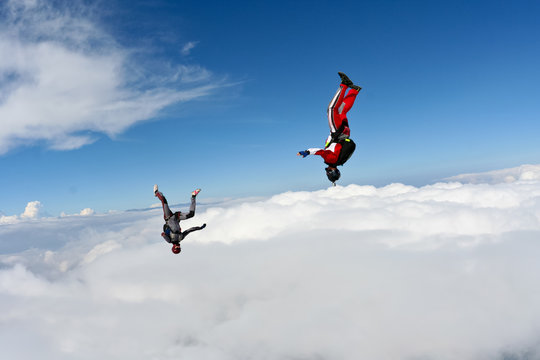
[444,271]
[63,80]
[186,50]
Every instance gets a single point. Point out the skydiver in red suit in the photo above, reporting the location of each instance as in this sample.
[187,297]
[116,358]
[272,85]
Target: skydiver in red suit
[339,147]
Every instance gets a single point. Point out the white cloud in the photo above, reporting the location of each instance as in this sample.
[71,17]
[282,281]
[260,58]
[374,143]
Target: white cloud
[83,212]
[191,74]
[31,211]
[445,271]
[520,173]
[4,219]
[87,212]
[63,80]
[428,211]
[186,50]
[100,250]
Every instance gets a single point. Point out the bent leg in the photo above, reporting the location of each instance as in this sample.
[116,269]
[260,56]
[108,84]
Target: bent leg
[191,210]
[167,213]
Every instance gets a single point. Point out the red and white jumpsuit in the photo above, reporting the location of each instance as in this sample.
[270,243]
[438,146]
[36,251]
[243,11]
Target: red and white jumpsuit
[338,123]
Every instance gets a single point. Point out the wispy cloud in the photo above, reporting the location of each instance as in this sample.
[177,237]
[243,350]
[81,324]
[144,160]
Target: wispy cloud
[186,50]
[372,271]
[63,80]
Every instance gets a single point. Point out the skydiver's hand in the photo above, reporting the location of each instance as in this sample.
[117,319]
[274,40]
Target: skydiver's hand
[303,153]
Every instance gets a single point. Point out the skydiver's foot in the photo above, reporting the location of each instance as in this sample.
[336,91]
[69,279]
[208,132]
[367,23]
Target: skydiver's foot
[355,87]
[195,192]
[345,79]
[155,190]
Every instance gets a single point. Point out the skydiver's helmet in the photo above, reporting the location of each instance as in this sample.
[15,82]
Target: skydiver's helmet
[176,248]
[333,174]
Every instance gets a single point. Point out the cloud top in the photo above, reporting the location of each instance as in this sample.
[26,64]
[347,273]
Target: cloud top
[520,173]
[32,211]
[442,209]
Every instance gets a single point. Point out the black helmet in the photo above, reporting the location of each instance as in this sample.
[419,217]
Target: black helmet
[333,174]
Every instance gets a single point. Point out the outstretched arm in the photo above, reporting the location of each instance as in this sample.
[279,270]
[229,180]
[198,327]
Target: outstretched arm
[329,155]
[311,151]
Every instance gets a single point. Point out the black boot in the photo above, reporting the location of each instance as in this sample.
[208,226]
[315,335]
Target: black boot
[345,79]
[355,87]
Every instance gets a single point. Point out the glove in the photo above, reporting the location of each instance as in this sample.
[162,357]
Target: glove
[304,153]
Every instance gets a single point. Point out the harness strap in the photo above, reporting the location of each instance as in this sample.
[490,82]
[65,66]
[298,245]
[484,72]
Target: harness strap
[338,135]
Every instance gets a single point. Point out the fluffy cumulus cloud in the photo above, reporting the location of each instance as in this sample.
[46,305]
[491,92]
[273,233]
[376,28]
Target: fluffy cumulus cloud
[445,271]
[63,80]
[31,211]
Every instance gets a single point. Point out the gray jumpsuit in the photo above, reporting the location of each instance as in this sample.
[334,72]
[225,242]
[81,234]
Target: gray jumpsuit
[172,221]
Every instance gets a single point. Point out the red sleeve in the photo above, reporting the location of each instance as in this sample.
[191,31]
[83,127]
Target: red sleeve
[329,156]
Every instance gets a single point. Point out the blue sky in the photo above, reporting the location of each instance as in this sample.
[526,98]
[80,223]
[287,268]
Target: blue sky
[221,95]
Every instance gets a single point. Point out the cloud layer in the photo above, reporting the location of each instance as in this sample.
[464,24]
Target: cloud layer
[445,271]
[63,80]
[523,173]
